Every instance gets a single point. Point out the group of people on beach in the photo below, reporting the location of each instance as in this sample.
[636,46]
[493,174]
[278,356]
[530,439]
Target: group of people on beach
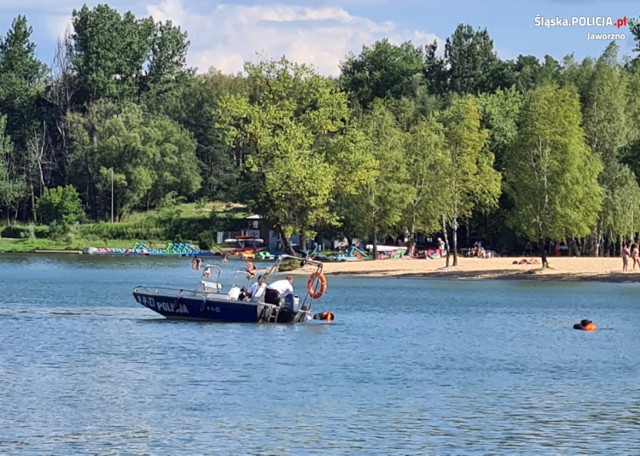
[630,251]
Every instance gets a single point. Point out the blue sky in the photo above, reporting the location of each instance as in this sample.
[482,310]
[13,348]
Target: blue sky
[224,35]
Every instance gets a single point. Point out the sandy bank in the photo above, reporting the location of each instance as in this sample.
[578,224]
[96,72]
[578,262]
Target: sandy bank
[561,268]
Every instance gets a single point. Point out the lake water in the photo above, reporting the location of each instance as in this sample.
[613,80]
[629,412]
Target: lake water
[410,366]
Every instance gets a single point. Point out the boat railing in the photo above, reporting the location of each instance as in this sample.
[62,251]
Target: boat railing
[210,279]
[306,300]
[176,292]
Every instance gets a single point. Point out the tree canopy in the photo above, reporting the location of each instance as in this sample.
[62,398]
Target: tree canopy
[408,142]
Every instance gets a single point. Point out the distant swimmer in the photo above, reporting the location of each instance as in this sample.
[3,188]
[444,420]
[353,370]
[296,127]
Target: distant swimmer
[250,268]
[585,325]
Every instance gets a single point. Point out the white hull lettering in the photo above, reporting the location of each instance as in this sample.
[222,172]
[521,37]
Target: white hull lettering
[163,306]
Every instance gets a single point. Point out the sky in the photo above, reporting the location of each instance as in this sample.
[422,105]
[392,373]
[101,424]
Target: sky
[225,34]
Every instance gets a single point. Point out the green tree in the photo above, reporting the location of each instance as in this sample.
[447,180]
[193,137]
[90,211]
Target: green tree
[620,218]
[577,74]
[11,187]
[551,173]
[121,57]
[167,69]
[386,193]
[424,154]
[607,129]
[193,105]
[630,154]
[435,71]
[551,70]
[351,155]
[470,61]
[528,72]
[22,76]
[61,205]
[383,71]
[143,157]
[469,179]
[286,129]
[500,114]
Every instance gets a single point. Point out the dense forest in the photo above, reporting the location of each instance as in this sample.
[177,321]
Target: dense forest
[405,142]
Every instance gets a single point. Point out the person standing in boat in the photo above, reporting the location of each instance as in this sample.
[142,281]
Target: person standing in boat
[284,286]
[256,290]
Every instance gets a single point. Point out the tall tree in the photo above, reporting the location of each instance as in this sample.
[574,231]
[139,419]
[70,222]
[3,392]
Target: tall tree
[167,59]
[620,217]
[60,95]
[470,61]
[528,72]
[424,153]
[435,71]
[286,129]
[469,178]
[11,186]
[607,127]
[386,194]
[500,114]
[577,74]
[551,173]
[383,70]
[351,155]
[121,57]
[22,76]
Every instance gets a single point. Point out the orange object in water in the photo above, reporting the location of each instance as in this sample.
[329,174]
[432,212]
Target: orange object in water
[590,327]
[324,315]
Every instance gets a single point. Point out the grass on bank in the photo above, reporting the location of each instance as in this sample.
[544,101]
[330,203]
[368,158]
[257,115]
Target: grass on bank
[12,245]
[196,223]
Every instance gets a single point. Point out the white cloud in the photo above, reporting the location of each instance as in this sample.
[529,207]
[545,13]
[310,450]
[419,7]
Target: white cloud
[224,36]
[227,35]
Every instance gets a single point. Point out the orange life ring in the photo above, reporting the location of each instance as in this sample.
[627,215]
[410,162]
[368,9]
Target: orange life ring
[312,286]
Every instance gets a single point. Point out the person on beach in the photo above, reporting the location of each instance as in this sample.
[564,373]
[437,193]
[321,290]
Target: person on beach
[626,253]
[441,247]
[635,255]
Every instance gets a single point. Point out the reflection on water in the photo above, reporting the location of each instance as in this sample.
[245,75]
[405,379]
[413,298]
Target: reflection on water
[410,366]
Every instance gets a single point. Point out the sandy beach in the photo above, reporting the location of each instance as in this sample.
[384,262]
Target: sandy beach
[561,268]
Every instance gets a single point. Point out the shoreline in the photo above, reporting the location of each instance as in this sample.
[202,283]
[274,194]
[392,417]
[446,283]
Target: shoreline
[574,269]
[567,269]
